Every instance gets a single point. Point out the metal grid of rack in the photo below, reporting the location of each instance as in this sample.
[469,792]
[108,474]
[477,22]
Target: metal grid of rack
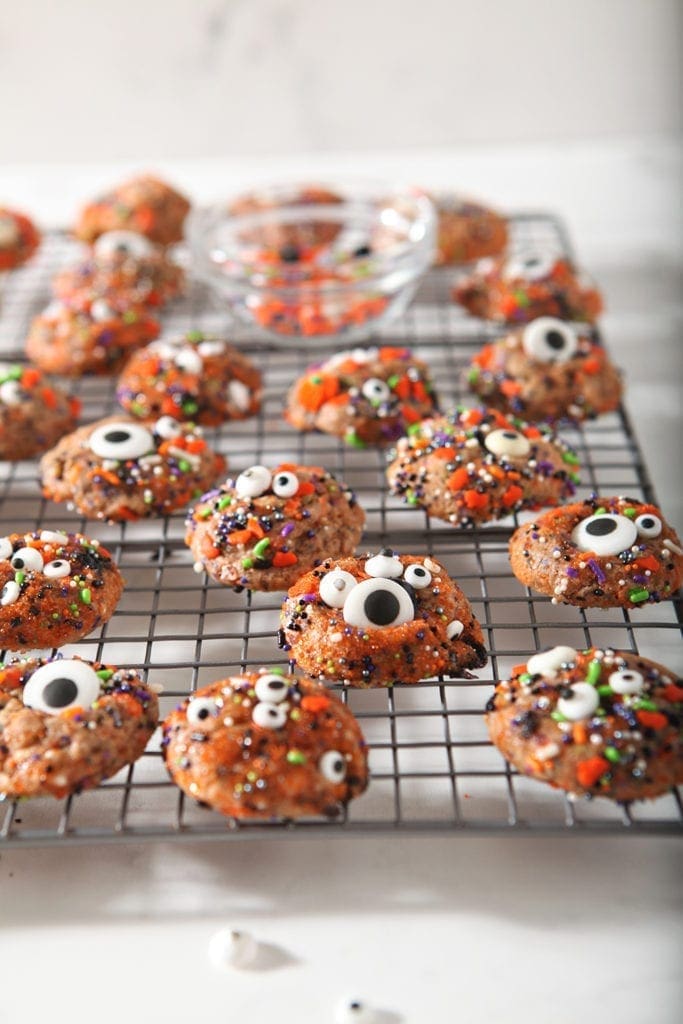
[433,768]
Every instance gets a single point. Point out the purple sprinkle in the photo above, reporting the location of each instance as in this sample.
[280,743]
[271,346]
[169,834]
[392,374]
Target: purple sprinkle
[286,529]
[574,573]
[596,570]
[639,578]
[309,597]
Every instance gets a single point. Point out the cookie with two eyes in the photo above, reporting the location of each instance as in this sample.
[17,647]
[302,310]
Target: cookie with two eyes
[528,285]
[472,466]
[118,468]
[19,239]
[66,724]
[267,526]
[144,204]
[34,413]
[196,376]
[599,553]
[467,230]
[594,723]
[380,620]
[550,370]
[55,588]
[266,745]
[365,396]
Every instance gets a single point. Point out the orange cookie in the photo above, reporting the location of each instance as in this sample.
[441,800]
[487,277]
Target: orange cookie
[19,239]
[34,413]
[467,231]
[144,204]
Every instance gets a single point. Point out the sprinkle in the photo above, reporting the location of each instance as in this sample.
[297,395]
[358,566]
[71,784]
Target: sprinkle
[296,757]
[612,755]
[673,547]
[104,673]
[260,548]
[596,570]
[594,672]
[19,576]
[570,458]
[86,595]
[630,512]
[224,502]
[638,594]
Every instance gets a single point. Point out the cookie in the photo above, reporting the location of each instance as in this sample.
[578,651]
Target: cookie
[472,466]
[119,469]
[599,553]
[89,335]
[143,204]
[594,723]
[380,620]
[365,396]
[34,413]
[287,235]
[266,745]
[55,588]
[521,288]
[196,377]
[466,230]
[265,528]
[19,239]
[549,370]
[67,724]
[123,264]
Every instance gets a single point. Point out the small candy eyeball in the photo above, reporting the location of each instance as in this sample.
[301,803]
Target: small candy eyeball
[121,441]
[378,604]
[549,340]
[54,537]
[61,684]
[6,548]
[285,484]
[9,593]
[417,576]
[353,1011]
[547,663]
[167,427]
[648,525]
[376,390]
[124,243]
[200,709]
[10,393]
[210,347]
[332,766]
[530,266]
[454,629]
[386,564]
[507,442]
[188,360]
[27,558]
[231,948]
[271,688]
[238,394]
[335,587]
[606,534]
[101,310]
[582,704]
[269,716]
[253,482]
[57,568]
[626,681]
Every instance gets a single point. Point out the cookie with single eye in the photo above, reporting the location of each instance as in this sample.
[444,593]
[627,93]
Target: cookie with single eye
[528,285]
[34,413]
[266,745]
[380,620]
[55,588]
[67,724]
[467,230]
[92,334]
[144,204]
[196,376]
[366,396]
[118,468]
[595,723]
[262,530]
[19,239]
[599,553]
[475,465]
[549,370]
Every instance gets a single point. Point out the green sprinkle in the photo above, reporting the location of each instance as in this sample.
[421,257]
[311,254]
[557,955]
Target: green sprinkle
[414,428]
[574,477]
[522,298]
[612,755]
[19,576]
[104,673]
[594,672]
[630,512]
[393,381]
[557,716]
[412,499]
[278,670]
[129,317]
[55,615]
[195,336]
[260,548]
[295,714]
[15,373]
[600,511]
[354,440]
[525,677]
[247,563]
[86,595]
[189,407]
[73,607]
[137,408]
[205,513]
[571,458]
[605,691]
[638,594]
[224,502]
[317,379]
[645,705]
[184,465]
[473,376]
[296,757]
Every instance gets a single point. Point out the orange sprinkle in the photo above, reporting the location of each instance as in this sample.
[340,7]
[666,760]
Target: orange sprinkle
[129,704]
[402,387]
[305,487]
[579,733]
[672,692]
[283,558]
[255,527]
[458,479]
[72,712]
[49,397]
[471,417]
[444,453]
[195,445]
[512,495]
[532,432]
[485,357]
[473,499]
[239,537]
[588,772]
[75,407]
[650,563]
[387,353]
[591,365]
[313,703]
[420,391]
[30,377]
[510,388]
[652,719]
[409,414]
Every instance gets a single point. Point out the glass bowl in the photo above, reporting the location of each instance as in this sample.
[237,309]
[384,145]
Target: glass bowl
[335,267]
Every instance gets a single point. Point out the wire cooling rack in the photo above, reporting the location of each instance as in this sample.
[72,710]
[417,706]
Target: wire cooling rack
[433,768]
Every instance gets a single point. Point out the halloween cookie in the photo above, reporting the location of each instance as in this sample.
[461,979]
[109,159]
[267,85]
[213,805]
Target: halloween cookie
[517,289]
[89,335]
[287,235]
[595,723]
[602,553]
[380,620]
[118,468]
[194,377]
[467,231]
[266,745]
[34,413]
[474,465]
[55,588]
[19,239]
[122,264]
[550,370]
[67,724]
[366,396]
[143,204]
[268,526]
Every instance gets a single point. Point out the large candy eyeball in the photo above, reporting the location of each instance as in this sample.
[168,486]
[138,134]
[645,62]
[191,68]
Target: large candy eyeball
[378,604]
[285,484]
[648,525]
[417,576]
[605,534]
[59,685]
[57,569]
[332,766]
[269,716]
[200,709]
[376,390]
[10,393]
[583,702]
[626,681]
[188,360]
[9,593]
[385,564]
[121,441]
[124,243]
[353,1011]
[238,394]
[549,340]
[530,266]
[100,311]
[253,482]
[167,427]
[335,587]
[507,442]
[271,688]
[6,548]
[27,558]
[547,663]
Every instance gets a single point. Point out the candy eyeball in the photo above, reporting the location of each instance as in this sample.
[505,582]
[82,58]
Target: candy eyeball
[271,688]
[121,441]
[123,243]
[378,604]
[353,1011]
[606,534]
[9,593]
[376,391]
[549,340]
[187,360]
[335,587]
[6,548]
[417,576]
[385,564]
[454,629]
[332,766]
[626,681]
[167,427]
[582,704]
[507,442]
[62,684]
[530,266]
[547,663]
[210,347]
[57,569]
[101,310]
[648,525]
[230,948]
[285,484]
[253,482]
[238,394]
[269,716]
[200,709]
[27,558]
[11,393]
